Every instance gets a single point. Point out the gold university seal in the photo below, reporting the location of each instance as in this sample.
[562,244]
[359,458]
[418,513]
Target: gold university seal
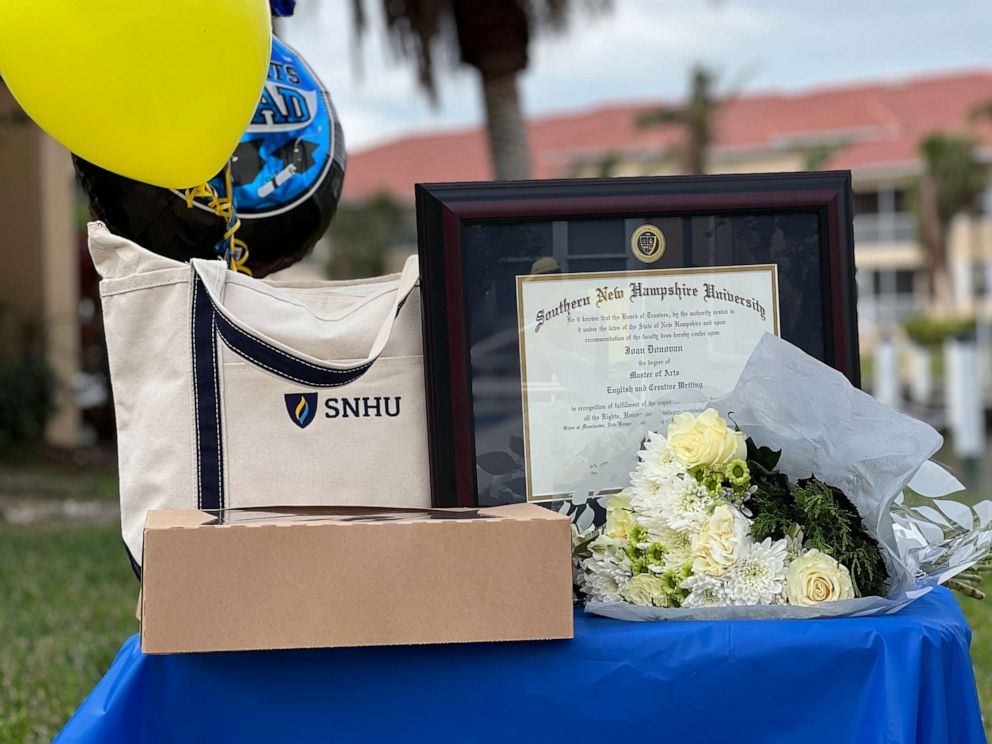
[648,243]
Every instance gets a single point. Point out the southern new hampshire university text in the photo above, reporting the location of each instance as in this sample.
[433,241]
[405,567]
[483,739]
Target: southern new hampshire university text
[638,290]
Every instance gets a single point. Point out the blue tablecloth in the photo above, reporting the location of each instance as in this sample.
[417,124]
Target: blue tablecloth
[900,678]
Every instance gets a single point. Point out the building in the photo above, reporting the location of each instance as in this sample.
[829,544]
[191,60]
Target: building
[39,286]
[872,129]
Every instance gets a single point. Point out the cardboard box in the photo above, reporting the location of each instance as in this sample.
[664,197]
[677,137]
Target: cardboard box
[301,578]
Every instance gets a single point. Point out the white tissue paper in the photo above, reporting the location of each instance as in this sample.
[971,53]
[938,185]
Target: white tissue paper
[786,399]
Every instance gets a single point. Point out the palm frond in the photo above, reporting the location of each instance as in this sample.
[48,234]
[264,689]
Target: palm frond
[418,30]
[982,111]
[555,15]
[660,117]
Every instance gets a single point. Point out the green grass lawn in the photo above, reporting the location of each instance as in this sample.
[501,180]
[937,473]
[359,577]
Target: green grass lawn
[979,614]
[67,598]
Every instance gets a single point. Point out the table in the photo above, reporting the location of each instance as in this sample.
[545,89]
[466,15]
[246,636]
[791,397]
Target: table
[899,678]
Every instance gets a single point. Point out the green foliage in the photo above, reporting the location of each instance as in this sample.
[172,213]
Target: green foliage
[816,156]
[697,119]
[581,549]
[930,331]
[362,234]
[491,36]
[607,165]
[771,505]
[765,458]
[27,384]
[958,177]
[26,389]
[829,521]
[832,525]
[981,111]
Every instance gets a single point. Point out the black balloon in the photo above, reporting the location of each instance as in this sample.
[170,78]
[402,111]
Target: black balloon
[287,175]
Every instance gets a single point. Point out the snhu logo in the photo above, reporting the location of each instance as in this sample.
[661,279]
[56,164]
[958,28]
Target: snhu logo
[301,407]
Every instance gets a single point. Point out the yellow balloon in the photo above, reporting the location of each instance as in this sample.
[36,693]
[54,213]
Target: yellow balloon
[157,90]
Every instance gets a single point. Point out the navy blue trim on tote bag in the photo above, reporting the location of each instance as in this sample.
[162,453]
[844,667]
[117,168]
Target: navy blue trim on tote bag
[207,325]
[206,401]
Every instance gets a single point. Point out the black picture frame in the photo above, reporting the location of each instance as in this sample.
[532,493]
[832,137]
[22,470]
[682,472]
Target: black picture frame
[470,229]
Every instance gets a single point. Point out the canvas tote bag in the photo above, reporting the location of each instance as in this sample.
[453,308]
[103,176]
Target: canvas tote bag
[237,392]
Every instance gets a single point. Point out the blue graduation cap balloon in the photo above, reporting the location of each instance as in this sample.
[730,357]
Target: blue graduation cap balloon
[287,173]
[293,142]
[282,7]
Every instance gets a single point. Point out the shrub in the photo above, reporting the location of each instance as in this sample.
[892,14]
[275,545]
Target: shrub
[27,384]
[928,331]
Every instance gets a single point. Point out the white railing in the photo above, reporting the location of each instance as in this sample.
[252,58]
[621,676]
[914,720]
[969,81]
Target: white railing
[895,227]
[885,310]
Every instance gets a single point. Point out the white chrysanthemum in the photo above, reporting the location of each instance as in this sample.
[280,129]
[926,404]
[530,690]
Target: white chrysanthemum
[643,491]
[759,576]
[678,545]
[603,586]
[645,499]
[684,503]
[679,503]
[657,459]
[604,574]
[646,590]
[705,591]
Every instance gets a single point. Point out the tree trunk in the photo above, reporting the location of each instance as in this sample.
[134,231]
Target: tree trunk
[943,292]
[934,239]
[506,130]
[695,152]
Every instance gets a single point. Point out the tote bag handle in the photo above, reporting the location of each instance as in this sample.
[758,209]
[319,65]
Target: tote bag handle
[210,319]
[209,314]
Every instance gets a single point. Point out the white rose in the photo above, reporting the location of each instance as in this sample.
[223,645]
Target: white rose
[705,440]
[646,590]
[720,541]
[816,577]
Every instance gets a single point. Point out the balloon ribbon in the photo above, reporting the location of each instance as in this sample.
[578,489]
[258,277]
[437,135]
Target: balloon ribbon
[234,250]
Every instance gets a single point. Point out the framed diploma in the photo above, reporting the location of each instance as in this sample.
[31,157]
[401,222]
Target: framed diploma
[604,356]
[565,319]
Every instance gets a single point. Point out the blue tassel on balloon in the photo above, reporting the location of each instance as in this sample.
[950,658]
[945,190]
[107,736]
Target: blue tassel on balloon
[282,8]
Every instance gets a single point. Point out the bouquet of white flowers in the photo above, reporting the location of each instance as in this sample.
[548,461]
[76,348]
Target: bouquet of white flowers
[708,521]
[714,517]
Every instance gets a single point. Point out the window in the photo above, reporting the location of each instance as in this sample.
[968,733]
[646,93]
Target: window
[985,202]
[876,283]
[866,202]
[980,279]
[904,282]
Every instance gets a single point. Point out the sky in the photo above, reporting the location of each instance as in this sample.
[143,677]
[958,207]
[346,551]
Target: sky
[643,50]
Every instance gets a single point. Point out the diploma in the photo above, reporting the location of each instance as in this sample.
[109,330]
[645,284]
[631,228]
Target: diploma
[607,357]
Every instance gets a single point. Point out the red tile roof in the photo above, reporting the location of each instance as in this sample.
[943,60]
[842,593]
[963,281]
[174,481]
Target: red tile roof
[877,125]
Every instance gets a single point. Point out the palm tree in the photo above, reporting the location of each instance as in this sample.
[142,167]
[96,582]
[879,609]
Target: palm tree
[363,234]
[982,110]
[697,118]
[493,36]
[951,184]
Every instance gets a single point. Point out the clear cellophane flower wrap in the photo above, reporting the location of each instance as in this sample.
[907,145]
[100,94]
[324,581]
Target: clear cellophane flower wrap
[787,400]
